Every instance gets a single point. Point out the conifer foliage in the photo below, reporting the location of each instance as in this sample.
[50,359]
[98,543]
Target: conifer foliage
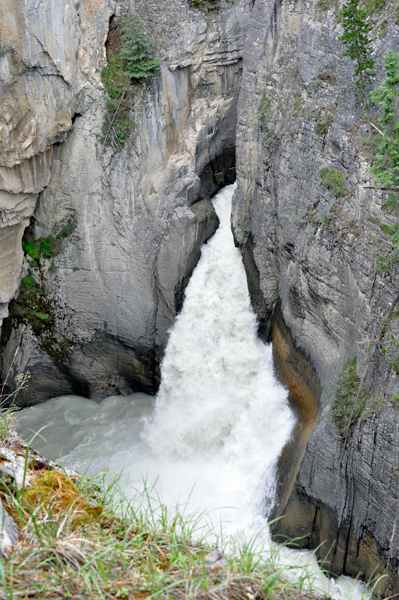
[137,49]
[358,43]
[132,65]
[385,169]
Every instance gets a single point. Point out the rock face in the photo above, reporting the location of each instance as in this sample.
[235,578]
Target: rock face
[314,247]
[261,87]
[139,217]
[46,59]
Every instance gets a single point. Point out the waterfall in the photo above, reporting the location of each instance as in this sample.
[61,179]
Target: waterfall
[220,420]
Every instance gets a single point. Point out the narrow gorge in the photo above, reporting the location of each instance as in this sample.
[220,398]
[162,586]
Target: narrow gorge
[98,241]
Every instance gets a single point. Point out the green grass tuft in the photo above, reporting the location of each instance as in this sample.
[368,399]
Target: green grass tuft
[332,179]
[344,413]
[28,283]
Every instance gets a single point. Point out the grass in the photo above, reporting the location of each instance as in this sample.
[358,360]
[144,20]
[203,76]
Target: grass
[324,122]
[268,133]
[66,230]
[373,6]
[326,219]
[332,179]
[327,75]
[344,413]
[79,538]
[387,265]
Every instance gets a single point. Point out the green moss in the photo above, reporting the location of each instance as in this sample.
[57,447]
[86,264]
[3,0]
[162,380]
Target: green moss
[32,248]
[40,315]
[27,283]
[344,413]
[42,247]
[114,76]
[332,179]
[47,247]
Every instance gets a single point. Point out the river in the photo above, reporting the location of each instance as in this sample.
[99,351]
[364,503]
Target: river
[210,440]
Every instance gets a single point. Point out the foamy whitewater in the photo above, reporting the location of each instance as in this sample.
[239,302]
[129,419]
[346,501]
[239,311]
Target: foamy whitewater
[211,438]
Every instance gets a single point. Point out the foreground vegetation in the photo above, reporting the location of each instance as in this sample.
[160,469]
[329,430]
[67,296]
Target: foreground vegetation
[80,538]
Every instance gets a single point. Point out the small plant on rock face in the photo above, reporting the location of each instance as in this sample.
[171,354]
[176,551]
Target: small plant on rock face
[205,5]
[42,247]
[327,75]
[344,413]
[395,363]
[394,400]
[300,219]
[326,219]
[387,265]
[333,180]
[267,131]
[324,122]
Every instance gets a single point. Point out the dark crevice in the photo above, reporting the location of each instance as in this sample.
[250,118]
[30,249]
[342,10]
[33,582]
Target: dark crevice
[113,44]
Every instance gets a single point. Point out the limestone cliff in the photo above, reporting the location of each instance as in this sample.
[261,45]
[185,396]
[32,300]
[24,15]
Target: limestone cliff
[261,87]
[105,302]
[314,247]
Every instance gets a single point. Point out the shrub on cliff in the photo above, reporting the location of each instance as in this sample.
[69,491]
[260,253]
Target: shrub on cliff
[358,43]
[346,410]
[137,50]
[134,63]
[385,169]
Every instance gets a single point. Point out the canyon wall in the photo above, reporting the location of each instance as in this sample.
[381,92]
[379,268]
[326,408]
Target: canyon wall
[314,247]
[126,227]
[259,88]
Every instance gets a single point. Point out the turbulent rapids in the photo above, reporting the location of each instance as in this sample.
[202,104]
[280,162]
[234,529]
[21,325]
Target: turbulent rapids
[211,439]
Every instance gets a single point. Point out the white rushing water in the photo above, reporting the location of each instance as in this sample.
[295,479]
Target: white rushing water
[211,438]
